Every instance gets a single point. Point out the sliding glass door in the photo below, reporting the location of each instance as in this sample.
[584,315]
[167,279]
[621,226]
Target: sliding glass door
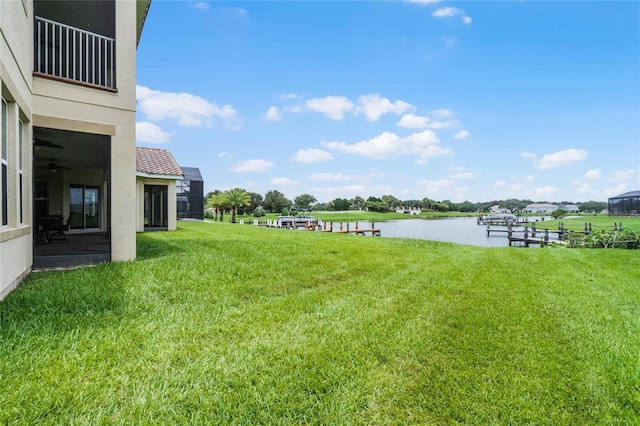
[84,209]
[155,206]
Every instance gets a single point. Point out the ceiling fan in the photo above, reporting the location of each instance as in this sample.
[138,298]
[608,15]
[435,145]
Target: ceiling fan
[53,167]
[41,143]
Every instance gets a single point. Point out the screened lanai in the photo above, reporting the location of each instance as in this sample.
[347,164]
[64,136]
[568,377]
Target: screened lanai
[626,204]
[190,194]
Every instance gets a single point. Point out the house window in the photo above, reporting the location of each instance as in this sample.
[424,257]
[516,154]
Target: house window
[84,209]
[4,175]
[20,167]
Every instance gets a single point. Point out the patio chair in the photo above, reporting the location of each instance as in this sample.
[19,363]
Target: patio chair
[57,229]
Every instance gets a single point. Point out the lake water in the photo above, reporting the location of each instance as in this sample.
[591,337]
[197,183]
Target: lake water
[462,230]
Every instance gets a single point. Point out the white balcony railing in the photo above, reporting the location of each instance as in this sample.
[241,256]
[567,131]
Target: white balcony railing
[74,54]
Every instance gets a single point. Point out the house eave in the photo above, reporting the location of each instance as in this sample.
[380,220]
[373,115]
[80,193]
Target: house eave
[142,9]
[158,176]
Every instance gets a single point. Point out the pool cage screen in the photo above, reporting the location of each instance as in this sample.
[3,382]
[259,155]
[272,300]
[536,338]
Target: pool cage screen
[190,194]
[627,204]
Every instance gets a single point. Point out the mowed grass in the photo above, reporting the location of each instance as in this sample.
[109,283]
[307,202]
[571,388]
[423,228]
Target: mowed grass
[227,324]
[600,222]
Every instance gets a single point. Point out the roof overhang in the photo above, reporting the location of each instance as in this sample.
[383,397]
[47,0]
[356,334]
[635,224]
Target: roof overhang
[142,9]
[158,176]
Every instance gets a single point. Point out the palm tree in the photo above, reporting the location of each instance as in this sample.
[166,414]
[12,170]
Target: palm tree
[235,198]
[217,200]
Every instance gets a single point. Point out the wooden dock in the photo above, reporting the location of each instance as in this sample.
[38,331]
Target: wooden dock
[523,236]
[375,232]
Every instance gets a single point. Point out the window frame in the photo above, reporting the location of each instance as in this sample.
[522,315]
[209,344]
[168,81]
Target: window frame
[4,164]
[20,171]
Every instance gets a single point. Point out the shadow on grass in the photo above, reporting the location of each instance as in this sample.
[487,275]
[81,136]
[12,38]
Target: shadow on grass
[151,246]
[64,300]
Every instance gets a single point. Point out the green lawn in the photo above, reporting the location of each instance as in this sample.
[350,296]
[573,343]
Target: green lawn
[599,222]
[227,324]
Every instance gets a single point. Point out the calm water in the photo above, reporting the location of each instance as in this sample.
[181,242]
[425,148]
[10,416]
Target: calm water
[463,230]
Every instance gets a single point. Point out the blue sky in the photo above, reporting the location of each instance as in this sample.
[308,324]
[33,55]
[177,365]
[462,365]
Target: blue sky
[472,101]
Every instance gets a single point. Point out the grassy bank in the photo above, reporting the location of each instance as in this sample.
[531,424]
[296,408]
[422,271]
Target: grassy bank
[598,222]
[226,324]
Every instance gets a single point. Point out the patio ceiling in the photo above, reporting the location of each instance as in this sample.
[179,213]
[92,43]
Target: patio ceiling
[79,151]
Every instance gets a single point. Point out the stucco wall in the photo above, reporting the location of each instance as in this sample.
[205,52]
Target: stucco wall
[59,105]
[172,202]
[16,257]
[16,63]
[64,106]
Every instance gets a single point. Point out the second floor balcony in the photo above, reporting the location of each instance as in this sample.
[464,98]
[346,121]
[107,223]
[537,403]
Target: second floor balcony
[75,55]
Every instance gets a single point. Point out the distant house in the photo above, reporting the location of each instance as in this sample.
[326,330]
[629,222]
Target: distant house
[498,209]
[156,176]
[625,204]
[190,194]
[571,208]
[540,208]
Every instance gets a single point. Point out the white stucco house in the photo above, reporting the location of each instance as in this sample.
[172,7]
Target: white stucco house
[68,79]
[156,175]
[540,208]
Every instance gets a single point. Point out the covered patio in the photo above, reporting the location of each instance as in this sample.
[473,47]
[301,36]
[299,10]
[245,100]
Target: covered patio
[71,192]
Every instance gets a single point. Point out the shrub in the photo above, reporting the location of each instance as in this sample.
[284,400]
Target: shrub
[259,212]
[627,239]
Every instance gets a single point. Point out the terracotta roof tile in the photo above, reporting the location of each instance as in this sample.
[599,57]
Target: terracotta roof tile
[156,161]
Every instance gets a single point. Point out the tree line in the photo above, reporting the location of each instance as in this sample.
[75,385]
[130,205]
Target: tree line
[239,201]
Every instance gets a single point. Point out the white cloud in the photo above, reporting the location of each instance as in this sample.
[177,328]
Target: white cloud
[561,158]
[330,176]
[255,165]
[621,175]
[333,106]
[412,121]
[288,96]
[462,175]
[462,134]
[500,184]
[223,155]
[443,124]
[350,191]
[460,172]
[292,108]
[423,1]
[527,154]
[541,193]
[585,188]
[149,132]
[273,114]
[312,155]
[617,190]
[387,145]
[447,12]
[593,174]
[282,181]
[373,106]
[202,5]
[436,187]
[442,113]
[517,187]
[184,108]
